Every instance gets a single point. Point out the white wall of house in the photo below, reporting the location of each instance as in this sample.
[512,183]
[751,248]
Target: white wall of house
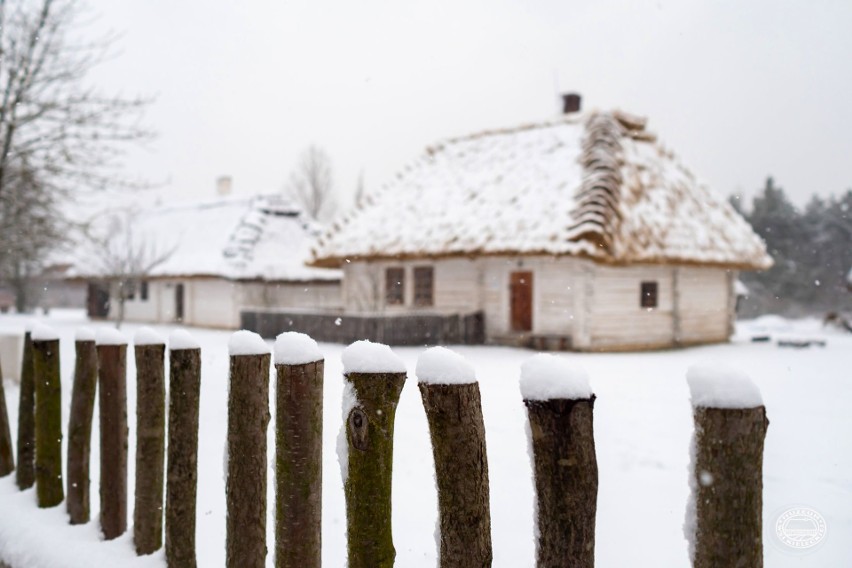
[216,302]
[597,306]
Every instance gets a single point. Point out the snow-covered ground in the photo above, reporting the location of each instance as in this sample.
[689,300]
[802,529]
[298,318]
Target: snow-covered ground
[643,425]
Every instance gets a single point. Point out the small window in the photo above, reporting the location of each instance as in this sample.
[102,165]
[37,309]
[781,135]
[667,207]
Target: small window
[395,286]
[143,290]
[130,292]
[424,285]
[649,295]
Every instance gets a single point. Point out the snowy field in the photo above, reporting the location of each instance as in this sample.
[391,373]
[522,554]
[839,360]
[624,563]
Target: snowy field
[643,424]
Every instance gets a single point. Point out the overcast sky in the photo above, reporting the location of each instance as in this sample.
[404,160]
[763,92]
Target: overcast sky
[739,90]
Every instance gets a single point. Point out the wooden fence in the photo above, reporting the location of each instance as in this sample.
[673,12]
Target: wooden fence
[724,514]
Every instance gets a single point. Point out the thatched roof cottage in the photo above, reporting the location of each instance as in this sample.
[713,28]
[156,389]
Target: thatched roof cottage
[584,232]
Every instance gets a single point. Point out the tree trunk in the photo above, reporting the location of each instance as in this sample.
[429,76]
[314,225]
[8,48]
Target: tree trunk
[112,379]
[457,430]
[566,481]
[80,430]
[727,482]
[369,435]
[150,447]
[298,466]
[7,457]
[25,475]
[182,483]
[48,423]
[248,418]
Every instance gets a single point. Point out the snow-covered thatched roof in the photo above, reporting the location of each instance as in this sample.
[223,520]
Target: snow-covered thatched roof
[597,185]
[263,237]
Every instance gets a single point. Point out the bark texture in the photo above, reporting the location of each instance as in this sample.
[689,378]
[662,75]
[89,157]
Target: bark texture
[150,447]
[182,475]
[112,379]
[728,486]
[566,481]
[7,451]
[457,430]
[248,418]
[298,466]
[48,423]
[80,430]
[25,474]
[369,434]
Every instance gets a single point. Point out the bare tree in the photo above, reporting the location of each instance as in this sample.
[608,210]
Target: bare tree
[124,256]
[58,134]
[311,184]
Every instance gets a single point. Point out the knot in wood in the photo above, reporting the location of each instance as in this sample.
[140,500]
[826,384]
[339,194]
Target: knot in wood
[358,429]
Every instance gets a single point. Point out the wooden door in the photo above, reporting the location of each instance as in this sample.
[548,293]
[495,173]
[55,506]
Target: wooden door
[522,301]
[179,303]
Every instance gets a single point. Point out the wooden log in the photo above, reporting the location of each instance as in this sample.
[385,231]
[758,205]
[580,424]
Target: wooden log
[80,426]
[298,452]
[25,474]
[112,407]
[248,418]
[559,405]
[182,469]
[7,451]
[453,406]
[374,378]
[150,441]
[48,417]
[724,516]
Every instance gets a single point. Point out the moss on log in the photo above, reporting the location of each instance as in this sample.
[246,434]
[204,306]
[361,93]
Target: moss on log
[457,432]
[25,474]
[182,469]
[566,481]
[80,430]
[48,423]
[727,482]
[248,418]
[150,447]
[298,466]
[112,407]
[369,433]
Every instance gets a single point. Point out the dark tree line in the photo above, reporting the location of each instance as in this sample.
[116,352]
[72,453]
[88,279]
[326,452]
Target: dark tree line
[812,248]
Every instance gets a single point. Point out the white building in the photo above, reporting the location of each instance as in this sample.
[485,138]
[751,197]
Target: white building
[222,256]
[583,233]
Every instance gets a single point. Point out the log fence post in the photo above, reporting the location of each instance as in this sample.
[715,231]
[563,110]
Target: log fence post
[80,426]
[299,368]
[149,350]
[560,404]
[248,418]
[7,450]
[112,408]
[453,405]
[373,380]
[25,474]
[182,468]
[724,515]
[48,417]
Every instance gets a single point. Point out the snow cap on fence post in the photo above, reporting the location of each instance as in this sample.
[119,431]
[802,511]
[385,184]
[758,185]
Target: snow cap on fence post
[43,332]
[549,377]
[294,348]
[442,366]
[110,336]
[720,386]
[246,342]
[147,336]
[181,339]
[367,357]
[84,333]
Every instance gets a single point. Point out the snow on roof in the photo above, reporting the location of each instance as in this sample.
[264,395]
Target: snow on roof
[263,237]
[596,185]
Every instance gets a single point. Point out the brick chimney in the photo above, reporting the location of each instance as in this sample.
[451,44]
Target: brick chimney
[570,103]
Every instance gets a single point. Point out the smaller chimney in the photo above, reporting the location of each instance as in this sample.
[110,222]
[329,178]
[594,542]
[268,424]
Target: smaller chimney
[570,103]
[223,185]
